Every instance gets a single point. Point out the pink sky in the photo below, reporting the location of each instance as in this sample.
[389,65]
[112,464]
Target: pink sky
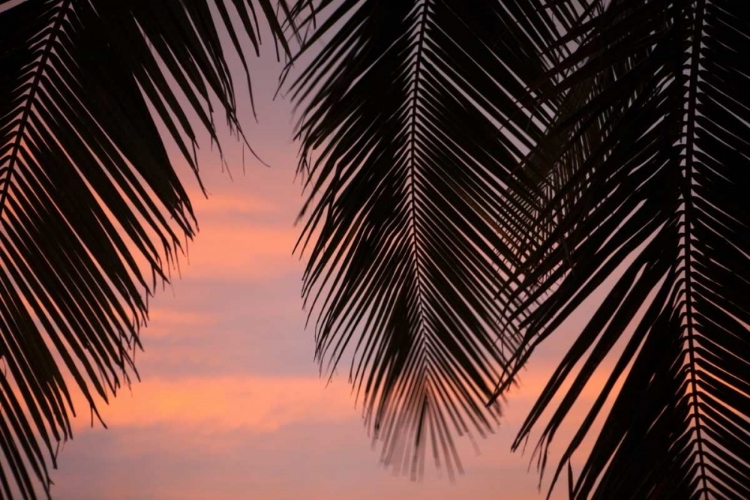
[231,405]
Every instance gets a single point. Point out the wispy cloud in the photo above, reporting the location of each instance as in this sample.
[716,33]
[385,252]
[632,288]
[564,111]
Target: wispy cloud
[254,403]
[241,251]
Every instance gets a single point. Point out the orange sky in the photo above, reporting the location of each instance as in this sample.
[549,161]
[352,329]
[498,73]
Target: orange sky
[231,405]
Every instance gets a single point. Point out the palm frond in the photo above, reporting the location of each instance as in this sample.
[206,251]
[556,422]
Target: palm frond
[661,198]
[87,192]
[412,132]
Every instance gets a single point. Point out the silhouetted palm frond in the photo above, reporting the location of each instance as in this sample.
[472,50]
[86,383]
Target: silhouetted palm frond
[87,193]
[663,198]
[413,114]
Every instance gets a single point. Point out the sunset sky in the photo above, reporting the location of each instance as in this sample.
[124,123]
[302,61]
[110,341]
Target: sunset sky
[231,405]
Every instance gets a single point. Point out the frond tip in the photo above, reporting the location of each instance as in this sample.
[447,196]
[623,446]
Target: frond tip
[420,210]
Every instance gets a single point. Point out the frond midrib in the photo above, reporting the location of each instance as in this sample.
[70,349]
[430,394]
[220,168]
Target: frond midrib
[23,121]
[412,166]
[692,99]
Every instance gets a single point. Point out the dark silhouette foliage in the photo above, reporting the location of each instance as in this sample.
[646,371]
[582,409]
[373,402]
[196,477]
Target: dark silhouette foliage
[475,169]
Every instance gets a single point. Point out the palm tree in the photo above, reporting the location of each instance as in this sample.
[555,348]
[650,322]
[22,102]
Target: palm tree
[476,171]
[89,201]
[480,168]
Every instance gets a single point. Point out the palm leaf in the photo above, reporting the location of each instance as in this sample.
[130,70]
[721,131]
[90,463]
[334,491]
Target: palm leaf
[88,195]
[661,199]
[411,136]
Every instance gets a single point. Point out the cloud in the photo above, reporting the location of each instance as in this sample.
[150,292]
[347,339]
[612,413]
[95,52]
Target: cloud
[315,460]
[260,404]
[240,251]
[222,204]
[242,235]
[163,322]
